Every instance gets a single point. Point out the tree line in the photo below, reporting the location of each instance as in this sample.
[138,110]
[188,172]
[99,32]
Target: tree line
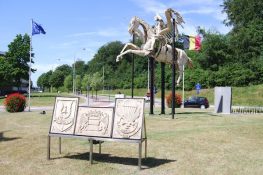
[232,59]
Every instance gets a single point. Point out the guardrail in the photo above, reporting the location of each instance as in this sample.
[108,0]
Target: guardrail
[246,110]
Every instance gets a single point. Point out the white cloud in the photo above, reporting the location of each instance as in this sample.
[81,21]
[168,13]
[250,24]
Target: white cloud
[202,10]
[224,29]
[206,7]
[106,32]
[189,29]
[45,67]
[193,3]
[82,34]
[151,6]
[64,45]
[219,15]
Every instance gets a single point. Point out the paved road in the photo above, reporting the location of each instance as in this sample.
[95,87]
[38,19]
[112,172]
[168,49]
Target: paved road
[101,101]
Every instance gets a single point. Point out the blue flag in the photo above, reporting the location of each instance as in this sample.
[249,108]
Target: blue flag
[37,28]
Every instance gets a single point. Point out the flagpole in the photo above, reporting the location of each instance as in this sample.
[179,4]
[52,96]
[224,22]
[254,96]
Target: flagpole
[183,88]
[29,79]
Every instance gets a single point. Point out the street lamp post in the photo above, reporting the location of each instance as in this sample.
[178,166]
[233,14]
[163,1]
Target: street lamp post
[74,73]
[73,77]
[103,77]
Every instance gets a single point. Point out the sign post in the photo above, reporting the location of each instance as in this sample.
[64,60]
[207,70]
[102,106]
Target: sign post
[198,88]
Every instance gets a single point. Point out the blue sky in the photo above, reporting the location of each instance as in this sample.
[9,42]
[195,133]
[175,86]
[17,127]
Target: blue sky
[73,25]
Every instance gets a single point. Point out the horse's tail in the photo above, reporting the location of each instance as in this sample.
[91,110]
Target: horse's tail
[190,62]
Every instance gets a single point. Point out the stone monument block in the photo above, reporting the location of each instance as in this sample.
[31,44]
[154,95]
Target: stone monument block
[223,100]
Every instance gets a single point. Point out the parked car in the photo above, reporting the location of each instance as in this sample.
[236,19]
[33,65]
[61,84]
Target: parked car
[196,102]
[7,92]
[147,96]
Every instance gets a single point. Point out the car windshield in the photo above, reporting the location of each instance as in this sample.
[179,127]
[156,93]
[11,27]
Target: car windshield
[192,98]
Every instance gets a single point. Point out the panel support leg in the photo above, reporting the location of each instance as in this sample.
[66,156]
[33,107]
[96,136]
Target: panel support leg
[99,147]
[48,147]
[140,156]
[59,144]
[145,149]
[91,151]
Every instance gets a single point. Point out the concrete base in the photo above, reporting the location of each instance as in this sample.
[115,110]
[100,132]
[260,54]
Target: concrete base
[223,100]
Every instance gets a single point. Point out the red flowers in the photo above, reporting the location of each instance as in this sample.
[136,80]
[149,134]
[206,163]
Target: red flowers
[178,100]
[15,102]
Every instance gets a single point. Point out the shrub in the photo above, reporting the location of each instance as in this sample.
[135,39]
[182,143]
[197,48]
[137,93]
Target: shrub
[178,100]
[15,102]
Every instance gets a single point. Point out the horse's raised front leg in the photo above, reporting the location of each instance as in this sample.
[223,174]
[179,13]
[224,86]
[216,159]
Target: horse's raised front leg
[137,52]
[129,46]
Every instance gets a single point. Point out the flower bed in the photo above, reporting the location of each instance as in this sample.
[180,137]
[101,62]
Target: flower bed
[15,102]
[178,100]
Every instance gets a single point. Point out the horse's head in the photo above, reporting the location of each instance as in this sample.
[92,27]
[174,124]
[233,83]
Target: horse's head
[134,25]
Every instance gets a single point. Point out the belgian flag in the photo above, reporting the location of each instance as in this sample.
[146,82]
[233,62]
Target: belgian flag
[191,42]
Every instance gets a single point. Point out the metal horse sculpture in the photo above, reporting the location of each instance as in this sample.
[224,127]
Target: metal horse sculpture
[156,43]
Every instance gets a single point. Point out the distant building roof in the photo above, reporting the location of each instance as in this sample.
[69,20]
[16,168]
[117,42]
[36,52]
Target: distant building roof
[2,53]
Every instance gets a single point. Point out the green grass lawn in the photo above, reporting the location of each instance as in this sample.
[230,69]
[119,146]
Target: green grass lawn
[245,96]
[196,142]
[44,99]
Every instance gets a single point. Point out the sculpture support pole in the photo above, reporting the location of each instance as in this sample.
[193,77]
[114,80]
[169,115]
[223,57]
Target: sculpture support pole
[151,84]
[162,88]
[132,83]
[173,73]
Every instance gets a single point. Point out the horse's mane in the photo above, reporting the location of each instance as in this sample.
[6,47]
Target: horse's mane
[144,26]
[145,32]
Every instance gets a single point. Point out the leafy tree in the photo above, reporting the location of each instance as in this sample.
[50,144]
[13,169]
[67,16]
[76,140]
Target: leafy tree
[233,75]
[241,13]
[18,56]
[5,69]
[247,42]
[78,82]
[86,81]
[57,79]
[46,79]
[40,81]
[215,51]
[106,57]
[96,82]
[43,80]
[68,83]
[79,67]
[66,69]
[246,18]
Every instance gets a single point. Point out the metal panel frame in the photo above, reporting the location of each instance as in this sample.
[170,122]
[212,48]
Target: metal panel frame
[92,138]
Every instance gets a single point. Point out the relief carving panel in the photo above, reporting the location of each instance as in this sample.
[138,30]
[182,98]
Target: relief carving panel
[64,115]
[94,122]
[129,116]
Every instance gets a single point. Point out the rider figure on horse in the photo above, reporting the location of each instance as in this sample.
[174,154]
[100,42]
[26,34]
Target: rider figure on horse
[163,32]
